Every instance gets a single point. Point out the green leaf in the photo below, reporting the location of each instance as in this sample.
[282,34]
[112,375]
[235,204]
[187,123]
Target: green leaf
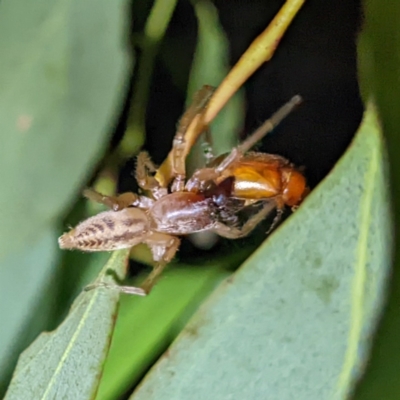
[293,321]
[75,271]
[67,363]
[210,66]
[62,73]
[24,277]
[380,61]
[174,299]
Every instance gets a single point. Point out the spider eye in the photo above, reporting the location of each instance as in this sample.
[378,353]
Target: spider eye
[220,199]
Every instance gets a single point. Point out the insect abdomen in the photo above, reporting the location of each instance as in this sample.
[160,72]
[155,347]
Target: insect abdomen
[107,231]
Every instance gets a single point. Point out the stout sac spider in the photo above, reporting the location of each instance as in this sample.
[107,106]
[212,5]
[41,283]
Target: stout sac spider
[203,203]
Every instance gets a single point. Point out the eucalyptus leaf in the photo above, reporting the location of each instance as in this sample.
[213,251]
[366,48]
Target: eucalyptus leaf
[24,277]
[379,58]
[147,325]
[67,363]
[294,320]
[62,73]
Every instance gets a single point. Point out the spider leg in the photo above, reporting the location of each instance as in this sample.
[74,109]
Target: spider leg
[192,118]
[275,221]
[231,232]
[123,289]
[120,201]
[163,248]
[143,174]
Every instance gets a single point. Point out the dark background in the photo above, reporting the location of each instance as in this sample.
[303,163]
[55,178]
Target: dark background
[316,58]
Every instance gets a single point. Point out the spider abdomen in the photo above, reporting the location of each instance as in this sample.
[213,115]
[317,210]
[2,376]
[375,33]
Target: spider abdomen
[109,230]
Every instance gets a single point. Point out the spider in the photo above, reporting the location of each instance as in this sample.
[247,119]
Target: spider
[204,203]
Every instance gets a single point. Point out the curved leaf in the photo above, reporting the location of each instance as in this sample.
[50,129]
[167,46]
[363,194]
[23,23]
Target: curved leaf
[379,75]
[293,321]
[67,363]
[62,72]
[175,298]
[24,277]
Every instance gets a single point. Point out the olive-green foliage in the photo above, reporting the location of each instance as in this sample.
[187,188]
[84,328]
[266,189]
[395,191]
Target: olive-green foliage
[295,321]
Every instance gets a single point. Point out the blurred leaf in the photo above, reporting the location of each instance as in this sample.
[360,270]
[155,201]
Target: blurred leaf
[380,62]
[294,320]
[24,277]
[210,66]
[76,271]
[147,325]
[62,75]
[154,31]
[67,363]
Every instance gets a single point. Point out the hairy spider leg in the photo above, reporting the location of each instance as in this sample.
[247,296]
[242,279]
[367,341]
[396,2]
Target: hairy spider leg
[231,232]
[143,174]
[120,201]
[193,117]
[276,220]
[145,168]
[124,289]
[163,248]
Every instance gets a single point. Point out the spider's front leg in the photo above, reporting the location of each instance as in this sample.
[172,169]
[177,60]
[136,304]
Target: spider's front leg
[232,232]
[145,168]
[119,202]
[191,119]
